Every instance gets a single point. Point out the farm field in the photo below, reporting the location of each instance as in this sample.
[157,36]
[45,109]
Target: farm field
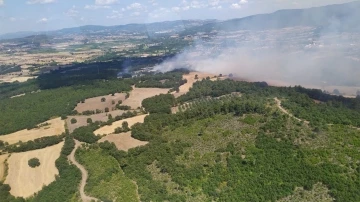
[82,120]
[137,95]
[123,141]
[190,81]
[24,180]
[110,129]
[95,103]
[56,127]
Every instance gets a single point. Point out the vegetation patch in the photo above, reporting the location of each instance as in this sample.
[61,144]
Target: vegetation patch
[34,162]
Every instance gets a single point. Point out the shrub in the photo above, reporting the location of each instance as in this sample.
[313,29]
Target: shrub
[89,120]
[103,99]
[73,121]
[34,162]
[107,109]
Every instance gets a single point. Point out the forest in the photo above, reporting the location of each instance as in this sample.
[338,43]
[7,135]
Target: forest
[229,141]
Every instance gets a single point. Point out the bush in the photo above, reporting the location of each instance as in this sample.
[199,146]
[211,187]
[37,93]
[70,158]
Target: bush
[103,99]
[89,120]
[107,109]
[73,121]
[34,162]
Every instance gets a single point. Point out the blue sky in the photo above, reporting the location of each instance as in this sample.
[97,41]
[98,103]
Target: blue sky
[42,15]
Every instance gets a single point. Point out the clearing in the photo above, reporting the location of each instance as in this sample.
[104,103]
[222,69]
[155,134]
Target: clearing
[2,165]
[24,180]
[137,95]
[95,103]
[123,141]
[190,81]
[82,119]
[106,130]
[55,127]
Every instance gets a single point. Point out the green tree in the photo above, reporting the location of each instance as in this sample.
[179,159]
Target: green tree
[34,162]
[73,121]
[89,120]
[103,99]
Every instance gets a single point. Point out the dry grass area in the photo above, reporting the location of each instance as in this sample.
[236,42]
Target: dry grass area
[191,80]
[106,130]
[123,141]
[2,166]
[137,95]
[95,103]
[319,193]
[24,180]
[56,127]
[82,120]
[13,78]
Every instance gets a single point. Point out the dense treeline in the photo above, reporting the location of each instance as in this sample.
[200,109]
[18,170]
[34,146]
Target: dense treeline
[171,80]
[86,133]
[8,90]
[38,143]
[159,103]
[27,111]
[4,69]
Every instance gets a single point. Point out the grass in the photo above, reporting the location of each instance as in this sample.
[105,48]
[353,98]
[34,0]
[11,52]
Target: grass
[106,179]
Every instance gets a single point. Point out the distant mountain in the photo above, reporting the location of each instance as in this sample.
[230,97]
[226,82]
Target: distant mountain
[339,17]
[169,27]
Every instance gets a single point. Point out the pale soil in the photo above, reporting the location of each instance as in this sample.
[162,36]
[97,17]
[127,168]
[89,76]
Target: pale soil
[95,103]
[56,127]
[191,80]
[24,180]
[84,175]
[137,95]
[12,78]
[82,120]
[2,165]
[106,130]
[123,141]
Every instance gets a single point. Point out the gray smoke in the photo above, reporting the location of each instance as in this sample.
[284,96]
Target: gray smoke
[299,55]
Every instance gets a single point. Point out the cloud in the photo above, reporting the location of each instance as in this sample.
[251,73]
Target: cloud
[153,2]
[43,20]
[1,2]
[115,15]
[12,19]
[95,7]
[105,2]
[40,1]
[72,12]
[239,4]
[136,6]
[135,14]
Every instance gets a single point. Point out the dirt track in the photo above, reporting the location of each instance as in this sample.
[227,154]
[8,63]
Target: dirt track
[84,175]
[278,102]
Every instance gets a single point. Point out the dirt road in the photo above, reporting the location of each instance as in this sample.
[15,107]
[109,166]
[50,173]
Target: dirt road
[278,102]
[84,174]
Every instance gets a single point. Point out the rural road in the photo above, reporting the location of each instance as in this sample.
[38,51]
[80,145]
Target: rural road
[84,175]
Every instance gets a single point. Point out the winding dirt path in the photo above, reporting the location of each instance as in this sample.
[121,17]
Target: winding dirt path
[84,174]
[278,102]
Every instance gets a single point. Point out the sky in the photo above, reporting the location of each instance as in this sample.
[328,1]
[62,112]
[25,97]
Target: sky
[45,15]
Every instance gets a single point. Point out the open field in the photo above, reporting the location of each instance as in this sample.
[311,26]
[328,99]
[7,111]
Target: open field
[137,95]
[56,127]
[24,180]
[2,165]
[95,103]
[110,129]
[123,141]
[82,119]
[191,80]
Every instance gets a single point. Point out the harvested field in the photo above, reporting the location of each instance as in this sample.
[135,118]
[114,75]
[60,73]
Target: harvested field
[2,166]
[56,127]
[110,129]
[137,95]
[24,180]
[191,80]
[94,103]
[123,141]
[82,120]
